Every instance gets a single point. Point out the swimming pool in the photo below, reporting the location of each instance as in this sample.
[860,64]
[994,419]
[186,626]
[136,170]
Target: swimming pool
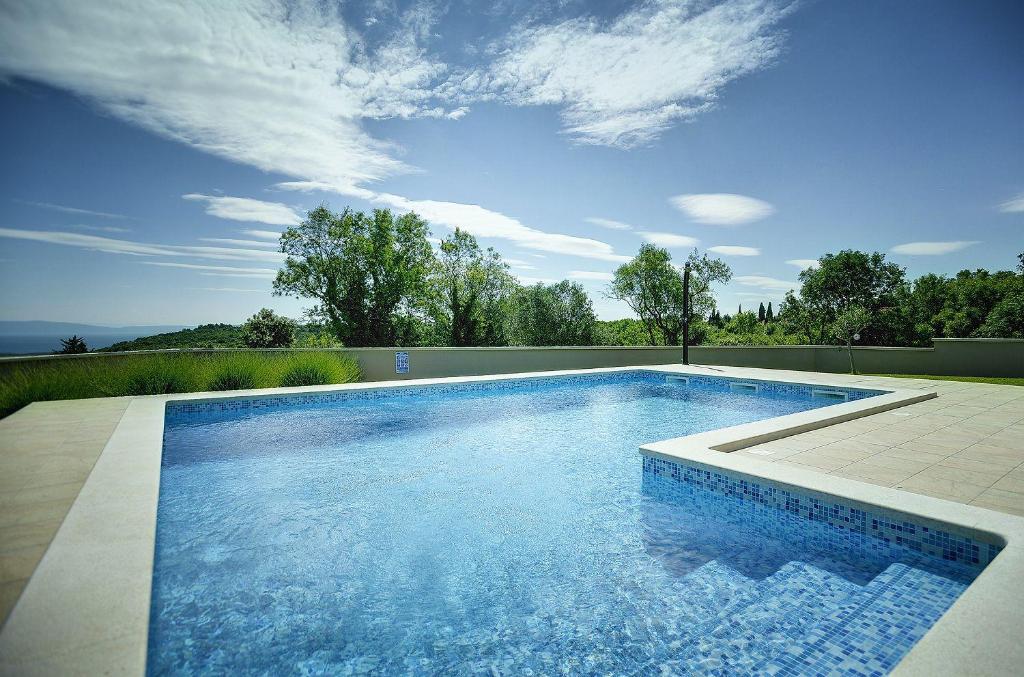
[511,527]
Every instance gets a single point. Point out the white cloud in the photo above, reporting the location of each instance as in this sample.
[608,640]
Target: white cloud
[803,264]
[668,239]
[766,283]
[239,243]
[608,223]
[265,234]
[218,271]
[101,229]
[722,209]
[481,222]
[281,86]
[590,275]
[931,248]
[115,246]
[1012,205]
[730,250]
[622,83]
[247,209]
[530,281]
[72,210]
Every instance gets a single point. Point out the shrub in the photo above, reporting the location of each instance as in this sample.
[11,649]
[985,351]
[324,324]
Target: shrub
[233,380]
[267,329]
[157,375]
[305,375]
[39,380]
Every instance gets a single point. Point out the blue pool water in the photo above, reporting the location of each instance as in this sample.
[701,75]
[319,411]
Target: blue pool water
[506,529]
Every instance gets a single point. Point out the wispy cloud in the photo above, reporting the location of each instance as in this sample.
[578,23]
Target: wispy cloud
[281,86]
[803,264]
[527,280]
[590,275]
[766,283]
[217,271]
[608,223]
[247,209]
[722,209]
[230,289]
[1015,204]
[731,250]
[482,222]
[265,234]
[622,83]
[101,229]
[72,210]
[240,243]
[116,246]
[668,239]
[931,248]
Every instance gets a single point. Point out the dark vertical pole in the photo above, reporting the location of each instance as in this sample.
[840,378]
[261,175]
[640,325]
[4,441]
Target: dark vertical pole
[686,314]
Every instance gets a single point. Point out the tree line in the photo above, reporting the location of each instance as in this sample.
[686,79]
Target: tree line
[376,280]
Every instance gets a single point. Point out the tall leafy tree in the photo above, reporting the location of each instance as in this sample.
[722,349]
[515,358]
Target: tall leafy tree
[761,314]
[769,315]
[853,278]
[552,315]
[653,288]
[474,288]
[369,274]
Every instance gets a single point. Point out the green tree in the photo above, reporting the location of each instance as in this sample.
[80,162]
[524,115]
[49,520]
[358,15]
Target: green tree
[761,315]
[971,297]
[653,288]
[625,332]
[474,287]
[267,329]
[552,315]
[848,325]
[853,278]
[769,315]
[73,346]
[368,273]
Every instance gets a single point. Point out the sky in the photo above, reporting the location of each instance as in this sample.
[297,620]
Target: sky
[153,151]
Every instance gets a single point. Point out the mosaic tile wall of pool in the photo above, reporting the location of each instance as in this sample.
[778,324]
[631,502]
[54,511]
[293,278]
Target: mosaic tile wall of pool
[511,528]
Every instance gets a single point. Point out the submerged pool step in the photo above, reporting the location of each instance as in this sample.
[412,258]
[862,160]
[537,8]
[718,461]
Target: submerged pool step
[763,623]
[873,630]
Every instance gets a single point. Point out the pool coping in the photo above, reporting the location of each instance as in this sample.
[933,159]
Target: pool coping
[86,608]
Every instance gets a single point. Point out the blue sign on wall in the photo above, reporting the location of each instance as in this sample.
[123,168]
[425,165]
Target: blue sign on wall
[401,363]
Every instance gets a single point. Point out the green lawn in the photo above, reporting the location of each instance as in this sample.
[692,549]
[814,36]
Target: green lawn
[967,379]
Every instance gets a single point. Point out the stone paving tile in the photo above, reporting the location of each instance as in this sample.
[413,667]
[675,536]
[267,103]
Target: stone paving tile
[47,451]
[966,445]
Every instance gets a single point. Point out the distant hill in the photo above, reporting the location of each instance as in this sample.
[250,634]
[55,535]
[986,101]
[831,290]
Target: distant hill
[65,329]
[203,336]
[41,337]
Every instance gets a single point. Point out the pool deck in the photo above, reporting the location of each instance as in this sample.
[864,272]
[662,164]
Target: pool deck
[965,446]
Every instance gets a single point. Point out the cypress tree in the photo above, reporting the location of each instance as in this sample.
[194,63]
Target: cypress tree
[760,313]
[770,315]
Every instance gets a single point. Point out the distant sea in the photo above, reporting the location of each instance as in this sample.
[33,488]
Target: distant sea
[29,344]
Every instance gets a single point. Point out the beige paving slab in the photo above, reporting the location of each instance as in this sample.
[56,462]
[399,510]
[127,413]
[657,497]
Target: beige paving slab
[966,445]
[47,450]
